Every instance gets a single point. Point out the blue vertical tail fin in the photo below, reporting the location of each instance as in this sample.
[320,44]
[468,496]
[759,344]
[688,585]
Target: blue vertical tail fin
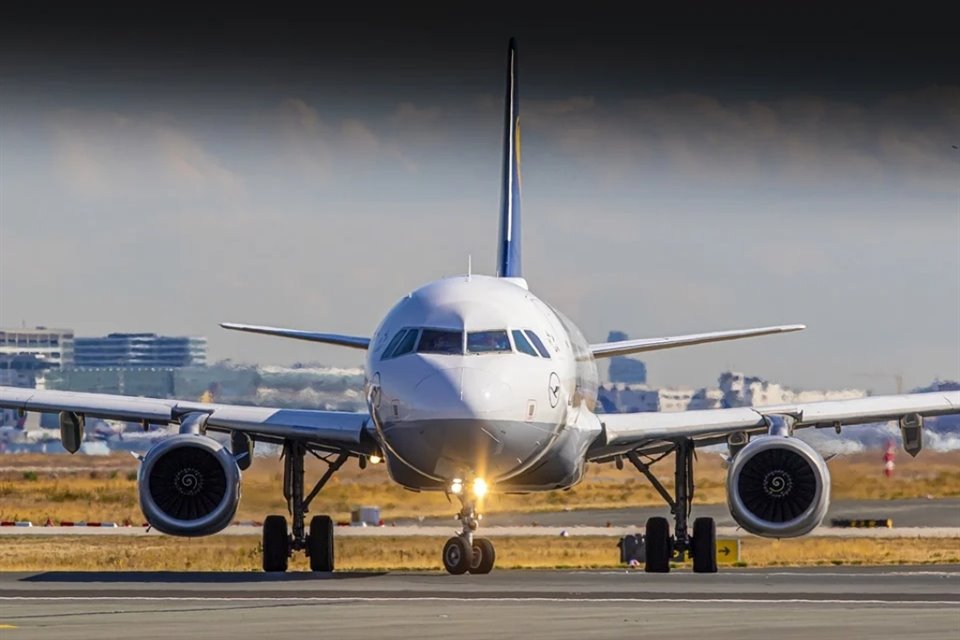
[508,256]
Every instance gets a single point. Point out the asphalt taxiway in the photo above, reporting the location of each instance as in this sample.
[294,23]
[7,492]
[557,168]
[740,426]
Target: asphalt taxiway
[913,512]
[883,602]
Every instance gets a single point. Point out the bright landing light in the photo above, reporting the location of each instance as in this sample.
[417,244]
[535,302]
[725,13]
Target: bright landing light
[456,487]
[479,487]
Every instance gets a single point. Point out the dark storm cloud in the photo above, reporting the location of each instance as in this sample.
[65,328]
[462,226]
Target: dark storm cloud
[684,170]
[597,48]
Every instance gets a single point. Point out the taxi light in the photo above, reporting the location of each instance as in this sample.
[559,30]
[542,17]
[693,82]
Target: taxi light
[479,487]
[456,487]
[375,459]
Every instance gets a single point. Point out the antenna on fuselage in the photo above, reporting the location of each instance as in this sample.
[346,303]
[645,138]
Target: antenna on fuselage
[469,266]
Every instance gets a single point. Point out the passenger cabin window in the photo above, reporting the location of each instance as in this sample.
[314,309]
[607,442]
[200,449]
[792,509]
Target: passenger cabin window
[535,339]
[523,345]
[439,341]
[488,342]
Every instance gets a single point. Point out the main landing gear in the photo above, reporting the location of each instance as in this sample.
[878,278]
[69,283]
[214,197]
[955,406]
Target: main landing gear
[661,547]
[278,544]
[464,553]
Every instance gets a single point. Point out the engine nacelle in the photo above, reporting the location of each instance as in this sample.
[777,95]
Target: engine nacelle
[189,486]
[778,487]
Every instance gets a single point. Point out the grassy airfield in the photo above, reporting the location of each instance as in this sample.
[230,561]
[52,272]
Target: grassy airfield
[242,553]
[74,488]
[62,488]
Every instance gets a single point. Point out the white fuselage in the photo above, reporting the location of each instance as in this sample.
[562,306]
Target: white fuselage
[474,376]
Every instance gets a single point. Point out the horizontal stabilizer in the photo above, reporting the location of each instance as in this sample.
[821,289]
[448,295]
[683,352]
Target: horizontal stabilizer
[354,342]
[625,347]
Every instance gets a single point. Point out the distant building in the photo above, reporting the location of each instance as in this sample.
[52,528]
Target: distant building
[623,369]
[22,370]
[747,391]
[51,347]
[735,390]
[634,398]
[140,350]
[156,382]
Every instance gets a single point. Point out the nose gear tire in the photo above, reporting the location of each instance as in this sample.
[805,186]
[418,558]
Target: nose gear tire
[457,556]
[484,556]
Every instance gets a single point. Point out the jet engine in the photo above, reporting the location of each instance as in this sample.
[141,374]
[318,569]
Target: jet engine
[778,487]
[189,486]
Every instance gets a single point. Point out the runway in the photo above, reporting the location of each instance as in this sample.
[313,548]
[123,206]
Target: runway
[800,603]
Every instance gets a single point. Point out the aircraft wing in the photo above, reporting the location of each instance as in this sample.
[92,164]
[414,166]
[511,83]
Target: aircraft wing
[637,431]
[625,347]
[340,430]
[354,342]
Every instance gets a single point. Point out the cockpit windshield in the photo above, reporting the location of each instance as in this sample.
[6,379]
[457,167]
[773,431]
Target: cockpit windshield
[440,341]
[488,342]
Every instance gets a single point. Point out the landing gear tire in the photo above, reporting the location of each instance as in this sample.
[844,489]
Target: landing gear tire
[704,547]
[320,543]
[457,556]
[276,544]
[484,556]
[657,546]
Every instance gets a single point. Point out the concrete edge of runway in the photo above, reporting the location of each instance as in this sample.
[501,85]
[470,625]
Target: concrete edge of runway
[519,531]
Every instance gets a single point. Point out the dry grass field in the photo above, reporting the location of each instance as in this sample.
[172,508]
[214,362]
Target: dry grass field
[40,487]
[242,553]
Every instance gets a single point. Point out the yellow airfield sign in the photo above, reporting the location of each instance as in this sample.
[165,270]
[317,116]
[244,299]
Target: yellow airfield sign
[728,551]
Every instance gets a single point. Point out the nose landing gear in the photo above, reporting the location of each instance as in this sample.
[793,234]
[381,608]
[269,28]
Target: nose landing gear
[464,553]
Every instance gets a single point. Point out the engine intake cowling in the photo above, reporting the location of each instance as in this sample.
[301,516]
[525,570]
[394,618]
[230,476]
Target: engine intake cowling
[778,487]
[189,485]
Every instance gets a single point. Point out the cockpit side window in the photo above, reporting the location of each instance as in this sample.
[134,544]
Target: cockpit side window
[440,341]
[488,342]
[523,345]
[406,345]
[538,343]
[387,353]
[402,343]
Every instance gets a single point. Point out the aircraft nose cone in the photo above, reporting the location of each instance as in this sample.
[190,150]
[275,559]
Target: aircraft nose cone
[461,392]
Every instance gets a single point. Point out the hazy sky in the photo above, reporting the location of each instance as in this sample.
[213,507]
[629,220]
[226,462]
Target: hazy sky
[681,173]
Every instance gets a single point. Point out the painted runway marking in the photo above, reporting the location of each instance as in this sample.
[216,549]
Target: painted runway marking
[795,574]
[350,598]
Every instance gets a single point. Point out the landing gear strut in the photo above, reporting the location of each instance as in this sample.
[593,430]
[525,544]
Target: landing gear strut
[661,547]
[463,552]
[278,545]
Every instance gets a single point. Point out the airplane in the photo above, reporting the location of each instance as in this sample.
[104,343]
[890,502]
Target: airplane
[475,384]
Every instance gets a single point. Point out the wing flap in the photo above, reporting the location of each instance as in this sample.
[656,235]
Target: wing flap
[626,347]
